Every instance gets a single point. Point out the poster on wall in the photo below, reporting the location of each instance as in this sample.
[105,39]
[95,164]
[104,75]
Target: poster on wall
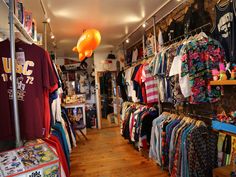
[75,114]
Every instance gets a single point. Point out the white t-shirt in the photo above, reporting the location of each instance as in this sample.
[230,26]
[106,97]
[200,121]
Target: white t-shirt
[183,81]
[129,83]
[160,40]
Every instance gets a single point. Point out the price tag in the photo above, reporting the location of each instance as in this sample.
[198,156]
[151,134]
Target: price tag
[20,58]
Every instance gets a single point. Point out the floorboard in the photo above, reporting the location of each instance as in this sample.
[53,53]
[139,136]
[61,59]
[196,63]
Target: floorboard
[107,154]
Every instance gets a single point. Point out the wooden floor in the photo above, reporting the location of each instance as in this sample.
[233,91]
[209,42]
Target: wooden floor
[106,124]
[107,154]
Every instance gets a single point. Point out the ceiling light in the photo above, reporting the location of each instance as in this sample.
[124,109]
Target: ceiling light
[48,20]
[144,25]
[127,41]
[52,36]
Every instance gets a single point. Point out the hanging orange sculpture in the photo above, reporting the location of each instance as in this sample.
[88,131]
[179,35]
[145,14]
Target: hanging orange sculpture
[87,43]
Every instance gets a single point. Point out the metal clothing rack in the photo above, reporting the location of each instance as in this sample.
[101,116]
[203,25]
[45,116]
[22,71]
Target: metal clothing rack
[14,82]
[188,33]
[206,119]
[14,22]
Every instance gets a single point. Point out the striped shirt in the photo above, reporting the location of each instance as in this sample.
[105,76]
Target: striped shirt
[150,85]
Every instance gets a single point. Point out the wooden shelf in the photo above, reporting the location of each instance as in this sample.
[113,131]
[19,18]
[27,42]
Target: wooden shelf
[4,27]
[227,82]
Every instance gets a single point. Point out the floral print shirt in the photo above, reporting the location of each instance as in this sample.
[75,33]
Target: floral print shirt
[199,58]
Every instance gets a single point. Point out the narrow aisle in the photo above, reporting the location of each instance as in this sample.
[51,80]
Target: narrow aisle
[107,154]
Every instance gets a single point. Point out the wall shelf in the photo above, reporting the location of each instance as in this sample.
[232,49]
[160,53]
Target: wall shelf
[4,27]
[226,82]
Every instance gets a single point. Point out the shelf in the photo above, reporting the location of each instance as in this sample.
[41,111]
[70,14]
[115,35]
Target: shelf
[226,128]
[4,27]
[226,82]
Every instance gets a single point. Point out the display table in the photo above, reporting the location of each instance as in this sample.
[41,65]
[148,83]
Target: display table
[223,171]
[35,160]
[76,111]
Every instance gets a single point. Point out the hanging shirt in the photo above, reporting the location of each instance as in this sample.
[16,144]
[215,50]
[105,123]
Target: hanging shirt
[138,79]
[35,74]
[160,40]
[129,83]
[135,55]
[122,85]
[140,53]
[150,45]
[183,81]
[128,57]
[150,85]
[136,85]
[198,57]
[225,29]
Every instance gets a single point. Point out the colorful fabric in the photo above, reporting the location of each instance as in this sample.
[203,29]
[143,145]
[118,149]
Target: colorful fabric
[150,85]
[198,59]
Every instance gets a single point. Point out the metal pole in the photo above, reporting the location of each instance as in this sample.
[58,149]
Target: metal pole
[124,52]
[45,35]
[144,45]
[14,83]
[155,34]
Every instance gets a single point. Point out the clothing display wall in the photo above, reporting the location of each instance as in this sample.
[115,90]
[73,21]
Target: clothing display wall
[181,71]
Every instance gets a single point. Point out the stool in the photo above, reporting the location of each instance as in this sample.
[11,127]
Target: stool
[79,125]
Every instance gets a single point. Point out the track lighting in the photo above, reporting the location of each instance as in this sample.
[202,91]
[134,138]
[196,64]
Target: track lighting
[48,20]
[52,36]
[144,25]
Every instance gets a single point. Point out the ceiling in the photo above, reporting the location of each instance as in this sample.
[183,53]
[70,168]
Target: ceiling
[115,19]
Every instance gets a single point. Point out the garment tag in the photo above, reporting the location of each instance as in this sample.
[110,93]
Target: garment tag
[20,58]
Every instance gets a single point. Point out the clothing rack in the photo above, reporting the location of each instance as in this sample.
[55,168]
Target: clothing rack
[135,63]
[14,23]
[206,119]
[188,33]
[132,103]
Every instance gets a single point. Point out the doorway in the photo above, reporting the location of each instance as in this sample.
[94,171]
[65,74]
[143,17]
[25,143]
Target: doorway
[108,99]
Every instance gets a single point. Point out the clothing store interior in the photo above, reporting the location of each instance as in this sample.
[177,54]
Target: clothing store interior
[128,88]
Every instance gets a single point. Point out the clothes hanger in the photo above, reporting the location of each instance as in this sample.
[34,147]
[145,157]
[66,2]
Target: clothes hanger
[3,35]
[201,35]
[224,2]
[200,123]
[20,37]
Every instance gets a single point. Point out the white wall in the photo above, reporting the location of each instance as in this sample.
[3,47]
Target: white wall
[99,57]
[60,61]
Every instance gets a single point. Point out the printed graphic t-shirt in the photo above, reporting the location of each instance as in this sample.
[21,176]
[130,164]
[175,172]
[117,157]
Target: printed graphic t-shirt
[225,29]
[34,75]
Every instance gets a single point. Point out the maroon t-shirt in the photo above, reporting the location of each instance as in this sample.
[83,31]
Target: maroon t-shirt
[34,75]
